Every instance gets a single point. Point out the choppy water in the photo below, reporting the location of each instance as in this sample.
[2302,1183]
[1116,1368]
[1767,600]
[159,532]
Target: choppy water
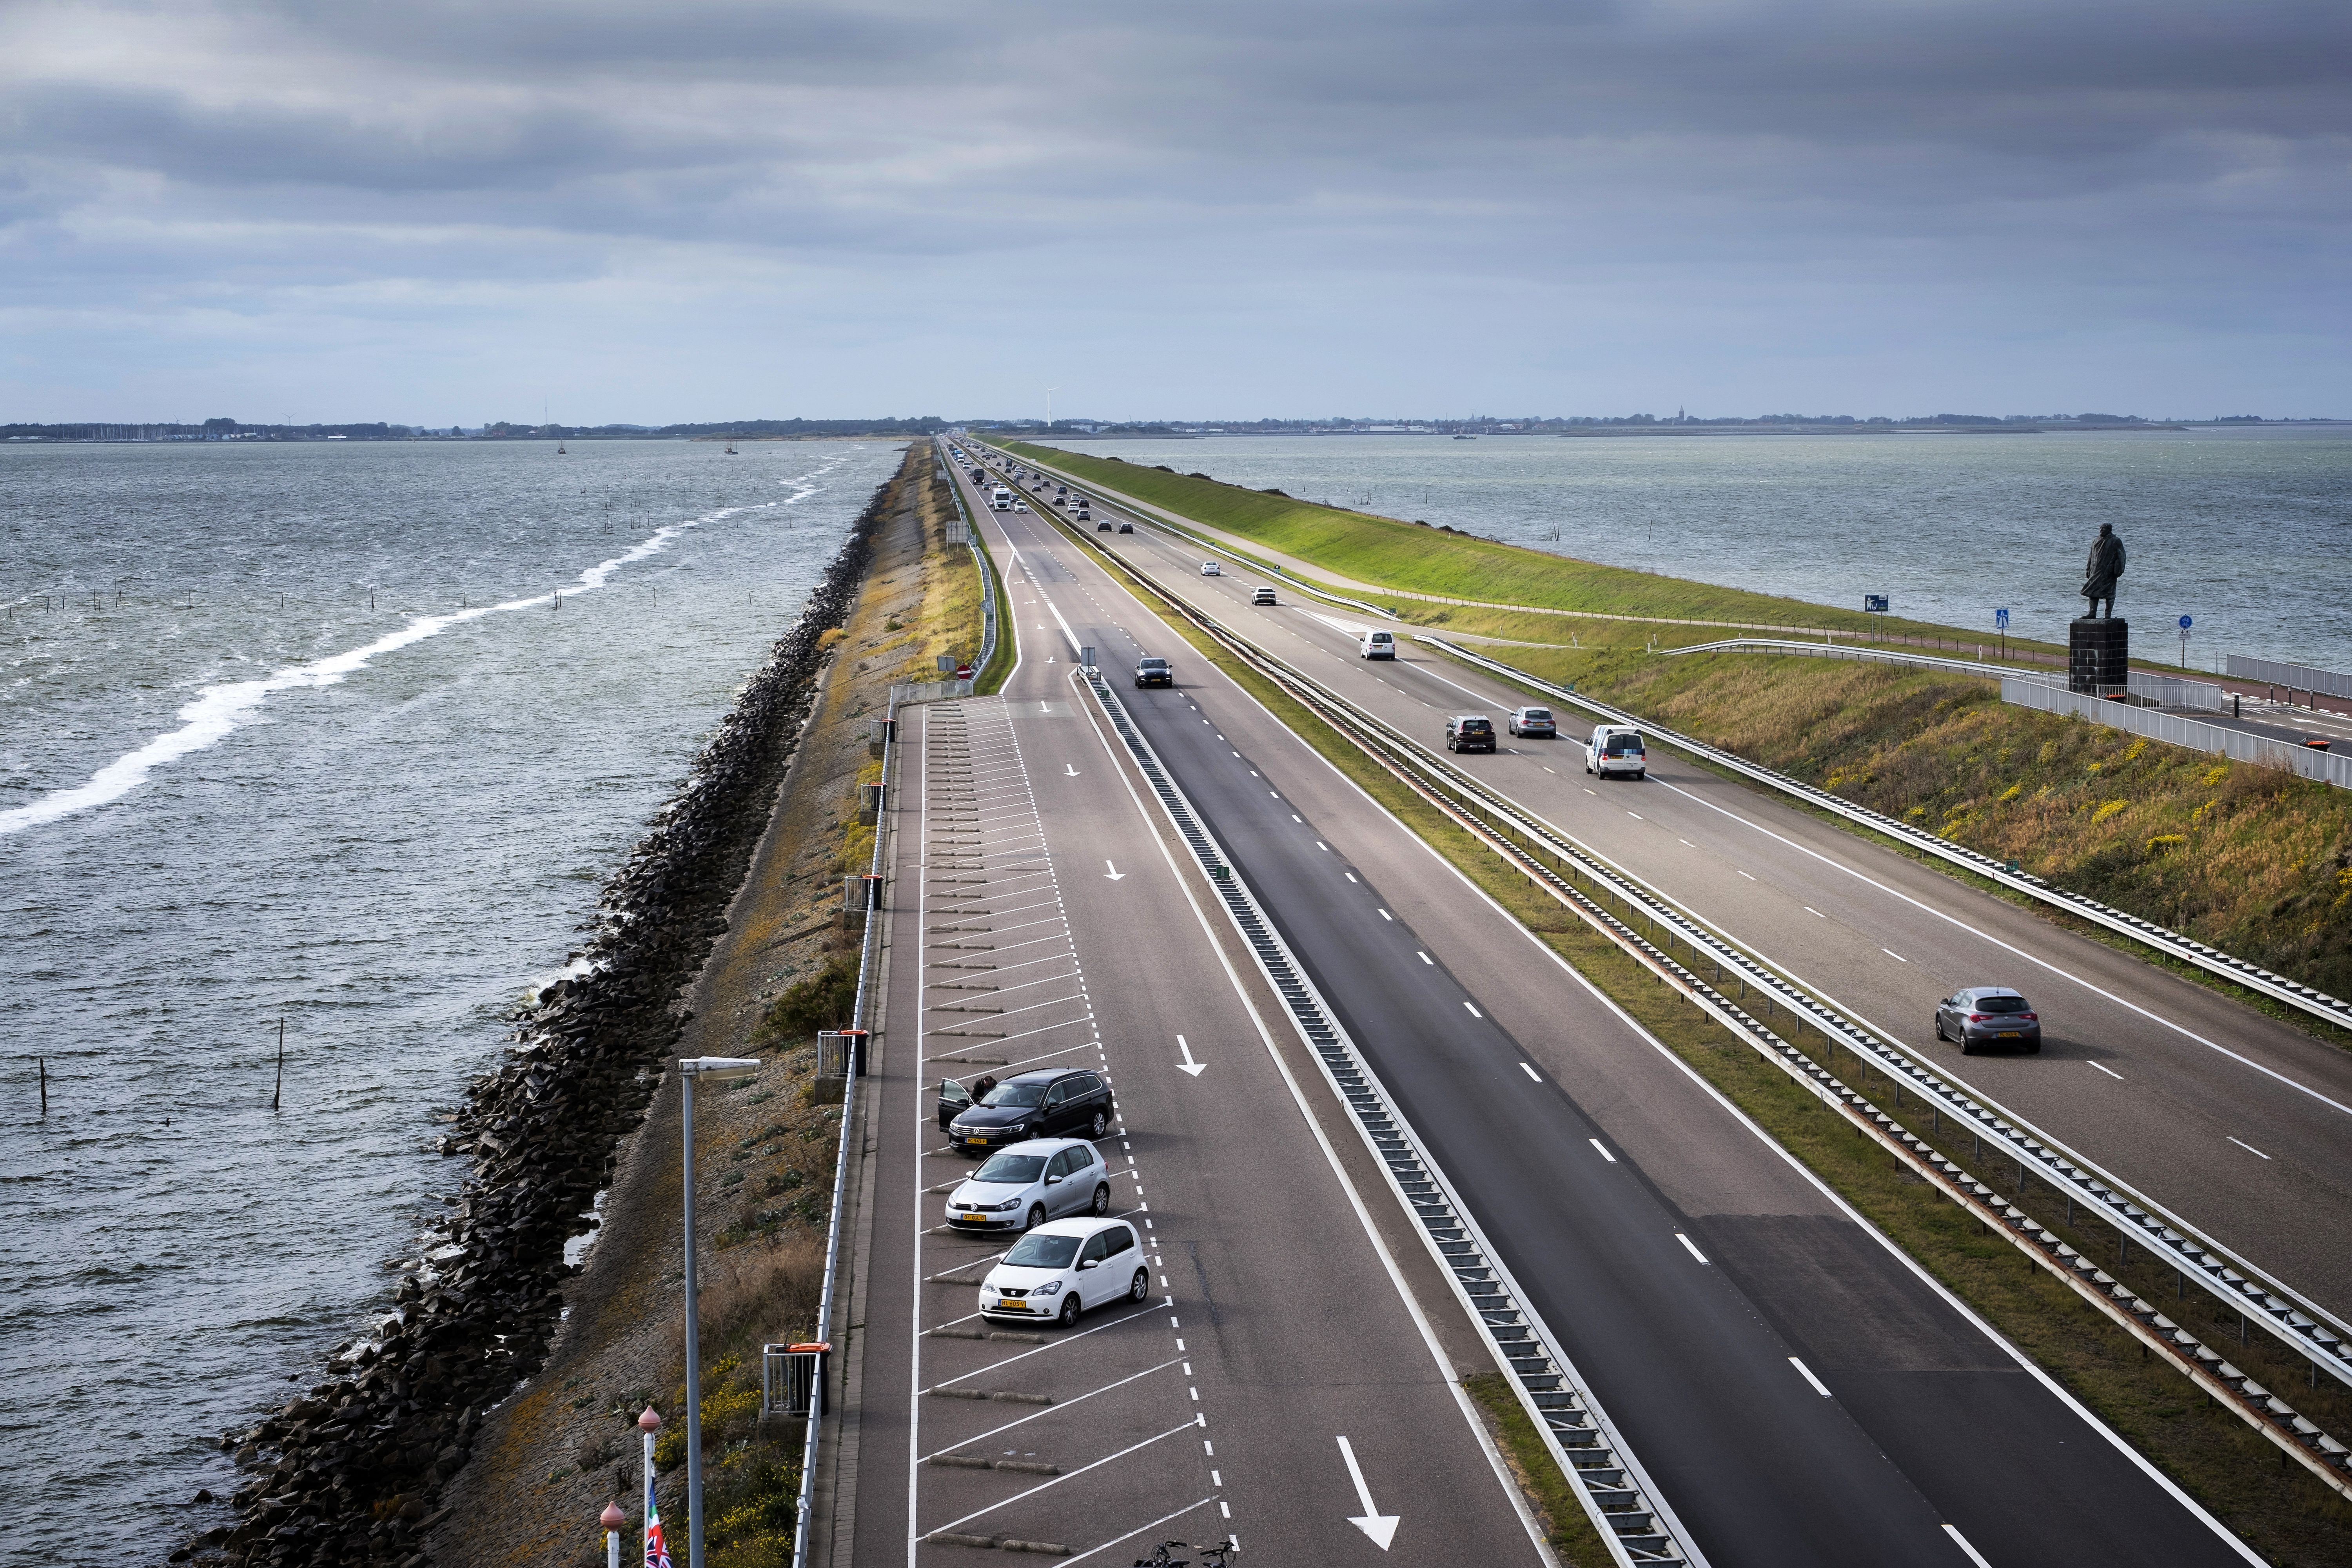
[238,794]
[2247,531]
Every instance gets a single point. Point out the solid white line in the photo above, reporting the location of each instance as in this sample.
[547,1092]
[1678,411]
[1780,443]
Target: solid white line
[1425,958]
[1894,955]
[1473,1011]
[2249,1148]
[2109,1071]
[1531,1072]
[1386,916]
[1139,1530]
[1743,873]
[1812,912]
[1807,1374]
[1057,1480]
[1602,1149]
[1690,1247]
[1962,1542]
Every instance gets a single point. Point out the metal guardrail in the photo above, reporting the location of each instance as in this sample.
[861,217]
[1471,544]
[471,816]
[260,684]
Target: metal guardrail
[2323,1340]
[2163,690]
[972,539]
[861,1011]
[2171,944]
[2294,677]
[1623,1501]
[2171,728]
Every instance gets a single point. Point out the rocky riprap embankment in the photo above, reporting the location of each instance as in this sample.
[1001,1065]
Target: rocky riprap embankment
[351,1472]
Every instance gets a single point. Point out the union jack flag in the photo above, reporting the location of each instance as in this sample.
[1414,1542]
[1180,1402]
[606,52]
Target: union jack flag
[656,1550]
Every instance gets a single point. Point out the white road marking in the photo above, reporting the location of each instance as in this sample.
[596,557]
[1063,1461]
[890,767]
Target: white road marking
[1807,1374]
[1962,1542]
[1350,875]
[1386,916]
[1894,955]
[1604,1154]
[1743,873]
[1637,815]
[2109,1071]
[1424,958]
[2249,1148]
[1531,1072]
[1812,912]
[1473,1011]
[1323,846]
[1690,1247]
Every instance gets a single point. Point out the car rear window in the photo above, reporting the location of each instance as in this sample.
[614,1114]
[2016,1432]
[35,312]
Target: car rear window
[1015,1094]
[1035,1251]
[1541,715]
[1620,745]
[1475,726]
[1011,1170]
[1116,1239]
[2000,1004]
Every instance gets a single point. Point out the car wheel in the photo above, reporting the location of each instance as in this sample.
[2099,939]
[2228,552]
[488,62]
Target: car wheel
[1641,773]
[1101,1124]
[1068,1317]
[1139,1287]
[1101,1205]
[1036,1216]
[1940,1028]
[1968,1047]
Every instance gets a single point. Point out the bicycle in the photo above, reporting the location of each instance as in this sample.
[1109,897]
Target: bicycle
[1216,1556]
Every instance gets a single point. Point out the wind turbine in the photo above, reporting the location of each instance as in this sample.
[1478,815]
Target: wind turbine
[1049,408]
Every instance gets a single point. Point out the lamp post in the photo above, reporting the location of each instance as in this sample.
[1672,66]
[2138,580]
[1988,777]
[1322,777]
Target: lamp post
[612,1519]
[706,1069]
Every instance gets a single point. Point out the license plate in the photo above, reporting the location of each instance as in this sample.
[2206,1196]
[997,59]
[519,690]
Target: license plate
[1012,1306]
[975,1218]
[975,1140]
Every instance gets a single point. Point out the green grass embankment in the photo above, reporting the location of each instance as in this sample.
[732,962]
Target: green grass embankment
[1417,558]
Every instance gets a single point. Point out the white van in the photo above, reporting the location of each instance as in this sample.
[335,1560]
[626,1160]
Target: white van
[1379,645]
[1616,749]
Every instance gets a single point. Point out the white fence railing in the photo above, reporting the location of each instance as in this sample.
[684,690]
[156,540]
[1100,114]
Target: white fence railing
[2236,744]
[2294,677]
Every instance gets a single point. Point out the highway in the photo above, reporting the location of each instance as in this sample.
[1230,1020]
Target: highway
[1798,1391]
[1037,922]
[2238,1123]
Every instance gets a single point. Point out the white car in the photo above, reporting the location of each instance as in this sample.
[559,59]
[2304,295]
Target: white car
[1616,749]
[1024,1184]
[1064,1267]
[1211,569]
[1021,506]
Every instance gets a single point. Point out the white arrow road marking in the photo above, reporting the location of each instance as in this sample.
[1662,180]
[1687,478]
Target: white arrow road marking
[1114,874]
[1381,1526]
[1188,1064]
[1068,769]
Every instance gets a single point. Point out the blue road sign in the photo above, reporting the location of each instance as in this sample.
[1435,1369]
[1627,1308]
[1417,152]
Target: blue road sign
[2000,620]
[2185,622]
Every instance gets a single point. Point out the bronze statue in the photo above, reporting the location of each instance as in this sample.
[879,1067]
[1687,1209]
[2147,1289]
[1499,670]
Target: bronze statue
[2100,572]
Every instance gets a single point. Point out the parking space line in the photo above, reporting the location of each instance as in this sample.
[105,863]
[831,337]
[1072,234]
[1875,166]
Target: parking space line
[1140,1529]
[1690,1247]
[1056,1481]
[2109,1071]
[1807,1374]
[1056,1344]
[1599,1148]
[1531,1072]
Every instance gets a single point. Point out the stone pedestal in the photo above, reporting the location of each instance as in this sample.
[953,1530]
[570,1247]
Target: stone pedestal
[2098,655]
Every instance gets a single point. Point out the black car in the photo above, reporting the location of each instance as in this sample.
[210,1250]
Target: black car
[1988,1016]
[1126,528]
[1154,672]
[1469,732]
[1100,527]
[1052,1102]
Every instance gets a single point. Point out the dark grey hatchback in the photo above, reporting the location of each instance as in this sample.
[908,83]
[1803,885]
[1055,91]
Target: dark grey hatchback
[1988,1016]
[1052,1102]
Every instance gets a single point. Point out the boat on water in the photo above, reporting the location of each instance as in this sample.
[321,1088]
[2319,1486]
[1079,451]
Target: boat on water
[560,451]
[731,451]
[1466,437]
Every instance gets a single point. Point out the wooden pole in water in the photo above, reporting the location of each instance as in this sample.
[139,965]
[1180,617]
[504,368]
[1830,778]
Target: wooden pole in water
[44,1083]
[281,1066]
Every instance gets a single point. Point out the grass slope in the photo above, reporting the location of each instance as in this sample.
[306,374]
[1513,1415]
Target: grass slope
[1421,559]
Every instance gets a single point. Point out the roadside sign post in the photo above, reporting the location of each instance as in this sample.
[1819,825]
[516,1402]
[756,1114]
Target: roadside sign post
[2001,625]
[2186,622]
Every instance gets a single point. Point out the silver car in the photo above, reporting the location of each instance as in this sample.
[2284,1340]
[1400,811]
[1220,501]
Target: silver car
[1988,1016]
[1024,1184]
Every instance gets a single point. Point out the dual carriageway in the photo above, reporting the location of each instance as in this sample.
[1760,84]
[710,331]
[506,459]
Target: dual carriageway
[1787,1386]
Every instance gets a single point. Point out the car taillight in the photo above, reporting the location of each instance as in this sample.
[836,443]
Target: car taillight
[2029,1017]
[1978,1018]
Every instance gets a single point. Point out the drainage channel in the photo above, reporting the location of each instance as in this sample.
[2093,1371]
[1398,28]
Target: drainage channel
[1509,829]
[1634,1519]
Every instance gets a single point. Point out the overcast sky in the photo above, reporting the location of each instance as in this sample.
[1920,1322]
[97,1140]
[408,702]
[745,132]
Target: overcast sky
[666,210]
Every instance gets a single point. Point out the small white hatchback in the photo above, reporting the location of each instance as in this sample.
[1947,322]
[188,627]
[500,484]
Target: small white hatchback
[1063,1268]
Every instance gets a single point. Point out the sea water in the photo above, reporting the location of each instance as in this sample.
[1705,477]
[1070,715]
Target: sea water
[235,794]
[2247,531]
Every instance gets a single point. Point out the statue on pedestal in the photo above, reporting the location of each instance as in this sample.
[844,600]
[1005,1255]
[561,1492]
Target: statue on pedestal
[2100,572]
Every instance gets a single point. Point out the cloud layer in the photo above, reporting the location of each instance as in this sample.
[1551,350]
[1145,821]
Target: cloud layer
[448,212]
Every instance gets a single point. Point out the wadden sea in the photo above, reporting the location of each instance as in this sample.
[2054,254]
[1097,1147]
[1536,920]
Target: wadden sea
[233,794]
[2248,530]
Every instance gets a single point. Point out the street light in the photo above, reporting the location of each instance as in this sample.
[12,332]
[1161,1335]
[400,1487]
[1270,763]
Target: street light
[707,1069]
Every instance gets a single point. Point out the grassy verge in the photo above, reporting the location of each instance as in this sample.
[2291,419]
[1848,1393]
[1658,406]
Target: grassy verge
[1557,1510]
[1418,558]
[2282,1511]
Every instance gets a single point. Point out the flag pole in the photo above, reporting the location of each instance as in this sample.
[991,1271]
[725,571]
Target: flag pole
[612,1519]
[648,1424]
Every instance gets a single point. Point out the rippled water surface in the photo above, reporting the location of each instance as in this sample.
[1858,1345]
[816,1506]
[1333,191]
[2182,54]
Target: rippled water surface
[2247,531]
[231,793]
